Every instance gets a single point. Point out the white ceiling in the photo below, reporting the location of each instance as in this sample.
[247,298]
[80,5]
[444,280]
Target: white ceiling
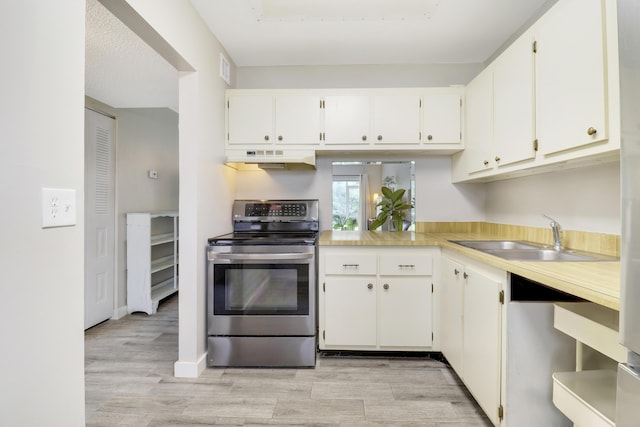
[122,71]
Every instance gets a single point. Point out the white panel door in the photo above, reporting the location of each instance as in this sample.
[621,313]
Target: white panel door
[297,119]
[99,218]
[441,118]
[250,119]
[347,119]
[570,73]
[396,119]
[405,312]
[451,301]
[481,347]
[514,103]
[350,311]
[479,123]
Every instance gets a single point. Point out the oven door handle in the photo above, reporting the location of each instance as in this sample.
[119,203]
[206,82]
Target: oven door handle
[260,257]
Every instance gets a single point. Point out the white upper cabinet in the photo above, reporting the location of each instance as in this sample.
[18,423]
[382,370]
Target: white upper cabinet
[396,119]
[250,119]
[570,72]
[479,122]
[514,103]
[297,119]
[347,119]
[441,115]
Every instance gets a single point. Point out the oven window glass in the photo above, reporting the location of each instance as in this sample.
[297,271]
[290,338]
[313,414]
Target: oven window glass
[261,289]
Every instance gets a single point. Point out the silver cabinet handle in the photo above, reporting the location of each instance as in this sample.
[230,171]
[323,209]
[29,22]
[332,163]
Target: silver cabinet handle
[370,286]
[385,286]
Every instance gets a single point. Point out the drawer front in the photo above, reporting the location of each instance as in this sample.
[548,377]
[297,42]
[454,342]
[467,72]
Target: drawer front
[406,265]
[346,263]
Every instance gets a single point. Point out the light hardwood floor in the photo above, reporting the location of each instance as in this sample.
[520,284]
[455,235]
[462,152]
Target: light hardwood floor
[129,381]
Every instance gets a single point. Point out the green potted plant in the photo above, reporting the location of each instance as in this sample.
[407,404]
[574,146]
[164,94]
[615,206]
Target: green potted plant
[392,207]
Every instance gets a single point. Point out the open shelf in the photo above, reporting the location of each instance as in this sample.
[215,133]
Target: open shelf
[588,398]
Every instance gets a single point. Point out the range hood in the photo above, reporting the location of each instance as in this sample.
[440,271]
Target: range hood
[270,159]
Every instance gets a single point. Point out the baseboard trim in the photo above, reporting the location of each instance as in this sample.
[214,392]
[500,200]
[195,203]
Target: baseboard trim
[120,312]
[190,369]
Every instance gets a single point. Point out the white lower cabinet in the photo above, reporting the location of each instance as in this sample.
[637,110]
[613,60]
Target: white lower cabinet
[376,298]
[471,328]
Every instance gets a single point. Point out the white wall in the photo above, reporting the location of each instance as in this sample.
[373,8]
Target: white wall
[207,187]
[355,76]
[586,199]
[147,138]
[42,122]
[437,199]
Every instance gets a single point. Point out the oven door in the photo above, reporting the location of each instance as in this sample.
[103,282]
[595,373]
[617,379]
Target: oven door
[261,290]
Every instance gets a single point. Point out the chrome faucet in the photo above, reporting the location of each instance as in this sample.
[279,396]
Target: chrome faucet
[557,232]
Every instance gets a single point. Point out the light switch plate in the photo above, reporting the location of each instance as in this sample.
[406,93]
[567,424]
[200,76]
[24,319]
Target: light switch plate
[58,207]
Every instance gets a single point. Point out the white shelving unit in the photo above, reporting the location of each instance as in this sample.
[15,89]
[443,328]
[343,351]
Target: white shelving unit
[152,259]
[588,397]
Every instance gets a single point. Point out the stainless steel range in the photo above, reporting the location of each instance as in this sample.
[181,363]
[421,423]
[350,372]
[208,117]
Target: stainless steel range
[261,286]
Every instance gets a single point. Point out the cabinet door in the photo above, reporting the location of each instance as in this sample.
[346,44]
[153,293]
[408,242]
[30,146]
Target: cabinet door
[250,119]
[405,312]
[347,119]
[514,103]
[451,301]
[441,119]
[350,311]
[570,76]
[479,122]
[482,338]
[396,119]
[297,119]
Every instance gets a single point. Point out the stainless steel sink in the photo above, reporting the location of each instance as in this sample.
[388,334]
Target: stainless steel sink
[514,250]
[483,245]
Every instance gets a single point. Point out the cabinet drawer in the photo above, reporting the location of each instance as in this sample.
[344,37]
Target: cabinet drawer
[347,263]
[406,265]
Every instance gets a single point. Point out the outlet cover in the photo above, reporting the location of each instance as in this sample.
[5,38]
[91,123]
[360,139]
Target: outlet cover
[58,207]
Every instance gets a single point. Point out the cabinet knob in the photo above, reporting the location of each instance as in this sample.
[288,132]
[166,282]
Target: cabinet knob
[370,286]
[486,162]
[497,159]
[465,275]
[279,137]
[455,271]
[385,286]
[592,131]
[429,137]
[364,137]
[266,137]
[379,137]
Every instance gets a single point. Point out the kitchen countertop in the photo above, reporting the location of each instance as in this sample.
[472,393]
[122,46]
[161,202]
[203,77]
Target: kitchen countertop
[598,281]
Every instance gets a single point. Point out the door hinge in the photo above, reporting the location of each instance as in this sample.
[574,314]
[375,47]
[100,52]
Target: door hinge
[323,335]
[500,412]
[432,288]
[227,104]
[501,297]
[322,103]
[324,287]
[420,103]
[431,336]
[535,145]
[460,102]
[534,47]
[419,136]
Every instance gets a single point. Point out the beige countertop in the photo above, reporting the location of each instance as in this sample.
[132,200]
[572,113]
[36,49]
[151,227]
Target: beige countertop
[598,282]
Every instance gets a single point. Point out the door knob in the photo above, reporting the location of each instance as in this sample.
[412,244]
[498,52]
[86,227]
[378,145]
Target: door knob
[465,275]
[497,159]
[370,286]
[385,286]
[379,137]
[592,131]
[364,137]
[486,162]
[280,138]
[266,137]
[429,137]
[456,272]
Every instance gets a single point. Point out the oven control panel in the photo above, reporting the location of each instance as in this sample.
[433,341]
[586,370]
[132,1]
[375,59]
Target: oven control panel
[275,209]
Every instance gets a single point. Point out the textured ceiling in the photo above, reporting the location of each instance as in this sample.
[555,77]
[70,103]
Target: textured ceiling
[120,69]
[124,72]
[343,32]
